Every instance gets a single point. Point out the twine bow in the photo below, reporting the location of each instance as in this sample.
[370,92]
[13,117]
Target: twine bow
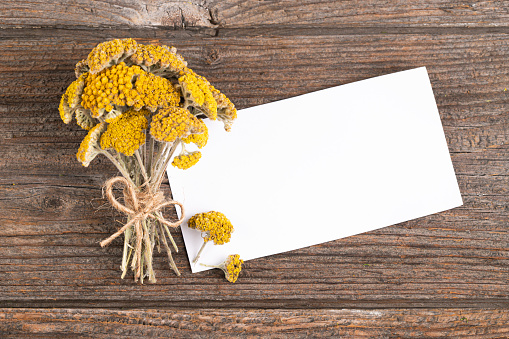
[144,205]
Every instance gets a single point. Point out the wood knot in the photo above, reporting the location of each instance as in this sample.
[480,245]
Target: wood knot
[212,56]
[52,203]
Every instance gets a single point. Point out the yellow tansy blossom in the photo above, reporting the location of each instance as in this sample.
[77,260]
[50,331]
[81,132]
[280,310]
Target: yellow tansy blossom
[232,267]
[199,136]
[125,133]
[81,67]
[197,94]
[156,91]
[89,147]
[172,123]
[186,160]
[163,57]
[84,119]
[109,52]
[112,86]
[121,85]
[71,99]
[215,225]
[226,111]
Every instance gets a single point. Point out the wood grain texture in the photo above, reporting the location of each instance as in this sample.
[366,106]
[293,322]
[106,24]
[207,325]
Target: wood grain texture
[228,323]
[53,216]
[90,13]
[372,13]
[248,13]
[441,276]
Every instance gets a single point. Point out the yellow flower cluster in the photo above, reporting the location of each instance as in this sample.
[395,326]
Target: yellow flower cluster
[84,119]
[186,160]
[200,135]
[166,57]
[125,132]
[112,86]
[226,111]
[121,85]
[197,93]
[155,91]
[172,123]
[214,224]
[70,99]
[89,146]
[233,266]
[108,53]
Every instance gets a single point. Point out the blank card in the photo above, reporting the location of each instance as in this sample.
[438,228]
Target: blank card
[321,166]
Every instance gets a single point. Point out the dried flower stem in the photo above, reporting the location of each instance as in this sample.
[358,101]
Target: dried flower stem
[199,252]
[119,166]
[127,251]
[160,174]
[142,167]
[170,257]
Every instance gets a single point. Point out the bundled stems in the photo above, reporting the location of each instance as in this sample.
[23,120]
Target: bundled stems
[144,172]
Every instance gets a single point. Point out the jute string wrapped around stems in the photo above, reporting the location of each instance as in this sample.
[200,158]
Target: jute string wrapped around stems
[140,206]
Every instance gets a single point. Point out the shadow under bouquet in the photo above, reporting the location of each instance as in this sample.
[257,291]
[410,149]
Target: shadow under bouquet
[139,103]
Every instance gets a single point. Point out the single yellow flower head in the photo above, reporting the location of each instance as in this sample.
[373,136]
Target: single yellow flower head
[125,133]
[191,90]
[163,57]
[156,91]
[89,147]
[108,53]
[84,119]
[232,267]
[226,111]
[81,67]
[196,92]
[186,160]
[215,225]
[120,86]
[199,136]
[111,87]
[171,123]
[71,99]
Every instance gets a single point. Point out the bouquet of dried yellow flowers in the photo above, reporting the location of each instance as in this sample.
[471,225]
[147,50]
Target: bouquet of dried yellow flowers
[139,103]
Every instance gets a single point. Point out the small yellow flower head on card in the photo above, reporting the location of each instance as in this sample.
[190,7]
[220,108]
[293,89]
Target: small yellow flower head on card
[215,226]
[185,161]
[125,132]
[89,147]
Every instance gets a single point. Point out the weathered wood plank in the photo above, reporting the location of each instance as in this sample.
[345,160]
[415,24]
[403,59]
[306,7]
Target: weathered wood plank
[51,224]
[277,323]
[246,13]
[137,13]
[242,13]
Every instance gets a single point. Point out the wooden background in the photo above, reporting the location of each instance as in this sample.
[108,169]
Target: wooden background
[445,275]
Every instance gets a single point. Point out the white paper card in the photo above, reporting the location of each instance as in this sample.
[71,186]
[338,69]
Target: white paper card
[321,166]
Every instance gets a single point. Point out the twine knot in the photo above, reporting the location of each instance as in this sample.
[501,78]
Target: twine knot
[139,206]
